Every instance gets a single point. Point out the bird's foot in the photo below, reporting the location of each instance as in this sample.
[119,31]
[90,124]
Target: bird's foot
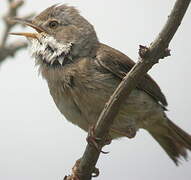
[93,140]
[129,132]
[76,174]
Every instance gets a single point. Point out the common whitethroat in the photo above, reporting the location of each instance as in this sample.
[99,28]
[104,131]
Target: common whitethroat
[82,73]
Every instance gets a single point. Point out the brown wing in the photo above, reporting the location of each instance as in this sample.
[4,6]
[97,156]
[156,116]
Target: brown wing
[119,64]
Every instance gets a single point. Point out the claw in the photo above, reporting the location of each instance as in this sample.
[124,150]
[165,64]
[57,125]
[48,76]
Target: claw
[91,139]
[95,172]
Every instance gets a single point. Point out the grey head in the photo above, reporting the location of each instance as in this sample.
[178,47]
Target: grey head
[62,36]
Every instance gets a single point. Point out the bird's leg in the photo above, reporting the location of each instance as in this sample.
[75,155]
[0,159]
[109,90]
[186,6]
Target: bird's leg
[76,174]
[91,139]
[107,140]
[130,132]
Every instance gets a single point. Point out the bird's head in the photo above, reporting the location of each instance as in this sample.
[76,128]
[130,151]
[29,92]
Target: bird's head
[62,35]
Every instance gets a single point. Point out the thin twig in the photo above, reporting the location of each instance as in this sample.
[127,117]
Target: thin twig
[12,12]
[148,57]
[11,49]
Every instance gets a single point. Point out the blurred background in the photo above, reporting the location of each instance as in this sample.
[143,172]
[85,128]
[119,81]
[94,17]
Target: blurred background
[36,142]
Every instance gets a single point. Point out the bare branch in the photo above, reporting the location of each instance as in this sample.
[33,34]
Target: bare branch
[11,49]
[12,12]
[148,57]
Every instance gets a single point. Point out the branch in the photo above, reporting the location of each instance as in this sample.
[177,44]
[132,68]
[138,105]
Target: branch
[148,57]
[11,49]
[12,12]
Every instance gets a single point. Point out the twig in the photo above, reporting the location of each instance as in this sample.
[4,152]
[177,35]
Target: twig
[13,7]
[148,57]
[11,49]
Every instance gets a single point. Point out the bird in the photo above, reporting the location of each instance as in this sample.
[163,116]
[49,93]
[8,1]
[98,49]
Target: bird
[82,73]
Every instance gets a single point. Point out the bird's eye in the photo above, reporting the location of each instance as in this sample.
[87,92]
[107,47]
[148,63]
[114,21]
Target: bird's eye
[53,24]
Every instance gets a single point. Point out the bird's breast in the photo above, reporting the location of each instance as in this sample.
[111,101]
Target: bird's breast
[63,98]
[81,96]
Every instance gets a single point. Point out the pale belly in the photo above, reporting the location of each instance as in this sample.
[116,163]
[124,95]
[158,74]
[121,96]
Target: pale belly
[82,107]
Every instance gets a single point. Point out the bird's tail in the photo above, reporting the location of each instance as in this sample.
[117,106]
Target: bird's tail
[172,139]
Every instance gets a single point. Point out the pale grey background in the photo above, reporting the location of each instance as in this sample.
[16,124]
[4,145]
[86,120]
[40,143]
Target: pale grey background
[37,143]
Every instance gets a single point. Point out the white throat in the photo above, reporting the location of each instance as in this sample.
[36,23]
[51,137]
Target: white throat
[48,49]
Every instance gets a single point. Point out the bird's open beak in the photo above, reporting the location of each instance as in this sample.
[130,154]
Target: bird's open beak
[27,23]
[29,35]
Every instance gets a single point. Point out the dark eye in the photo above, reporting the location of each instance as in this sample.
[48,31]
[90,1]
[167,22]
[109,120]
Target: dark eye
[53,24]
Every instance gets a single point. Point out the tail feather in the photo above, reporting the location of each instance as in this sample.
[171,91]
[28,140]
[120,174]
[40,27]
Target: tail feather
[172,139]
[184,136]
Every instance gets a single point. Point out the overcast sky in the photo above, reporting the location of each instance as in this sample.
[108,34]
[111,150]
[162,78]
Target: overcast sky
[37,143]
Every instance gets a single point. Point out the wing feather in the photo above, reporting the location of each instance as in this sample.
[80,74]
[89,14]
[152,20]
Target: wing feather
[119,64]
